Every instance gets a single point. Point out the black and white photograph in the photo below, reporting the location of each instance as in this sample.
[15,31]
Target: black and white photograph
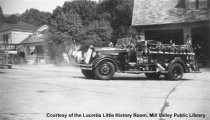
[104,59]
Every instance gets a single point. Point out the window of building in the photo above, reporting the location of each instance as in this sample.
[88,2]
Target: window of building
[39,49]
[28,50]
[198,4]
[32,50]
[181,4]
[191,4]
[203,4]
[5,38]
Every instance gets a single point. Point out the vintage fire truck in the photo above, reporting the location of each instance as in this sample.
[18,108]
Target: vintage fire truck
[146,56]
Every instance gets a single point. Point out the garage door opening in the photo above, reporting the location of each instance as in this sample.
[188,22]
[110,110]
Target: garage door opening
[200,36]
[164,36]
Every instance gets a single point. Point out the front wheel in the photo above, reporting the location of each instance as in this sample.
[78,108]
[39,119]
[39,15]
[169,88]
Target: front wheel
[88,73]
[104,71]
[175,72]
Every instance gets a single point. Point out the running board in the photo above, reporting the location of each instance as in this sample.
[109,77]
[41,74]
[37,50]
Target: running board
[194,72]
[138,72]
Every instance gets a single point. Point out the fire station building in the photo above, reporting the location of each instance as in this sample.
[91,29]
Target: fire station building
[178,20]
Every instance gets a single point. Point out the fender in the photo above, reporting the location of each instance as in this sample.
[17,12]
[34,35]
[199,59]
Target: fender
[105,58]
[179,60]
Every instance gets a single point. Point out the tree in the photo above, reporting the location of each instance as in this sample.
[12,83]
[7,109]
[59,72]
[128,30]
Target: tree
[97,33]
[120,12]
[35,17]
[65,26]
[84,8]
[77,22]
[83,26]
[96,27]
[12,19]
[1,16]
[63,31]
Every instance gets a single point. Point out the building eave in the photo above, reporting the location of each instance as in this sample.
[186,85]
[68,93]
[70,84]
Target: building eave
[16,30]
[172,24]
[154,12]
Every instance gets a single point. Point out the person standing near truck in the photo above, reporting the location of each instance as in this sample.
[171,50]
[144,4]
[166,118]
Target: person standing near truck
[21,55]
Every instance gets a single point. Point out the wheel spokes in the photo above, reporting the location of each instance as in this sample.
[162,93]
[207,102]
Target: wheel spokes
[104,70]
[177,73]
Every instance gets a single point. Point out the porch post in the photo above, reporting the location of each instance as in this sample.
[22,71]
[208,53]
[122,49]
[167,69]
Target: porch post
[209,49]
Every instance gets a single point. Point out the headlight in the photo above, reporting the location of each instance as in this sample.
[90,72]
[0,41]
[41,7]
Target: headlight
[94,54]
[145,59]
[88,56]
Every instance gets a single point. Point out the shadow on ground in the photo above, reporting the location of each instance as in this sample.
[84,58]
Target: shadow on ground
[2,72]
[142,79]
[122,78]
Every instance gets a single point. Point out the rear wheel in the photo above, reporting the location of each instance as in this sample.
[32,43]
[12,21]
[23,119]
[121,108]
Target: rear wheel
[2,60]
[175,72]
[152,76]
[88,73]
[105,70]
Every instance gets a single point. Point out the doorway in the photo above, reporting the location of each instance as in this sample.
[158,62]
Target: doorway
[200,37]
[164,36]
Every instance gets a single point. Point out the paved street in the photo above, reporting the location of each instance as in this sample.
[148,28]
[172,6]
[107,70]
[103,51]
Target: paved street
[42,92]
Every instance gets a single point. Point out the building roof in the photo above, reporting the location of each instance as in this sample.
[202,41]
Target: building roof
[155,12]
[20,26]
[33,39]
[37,37]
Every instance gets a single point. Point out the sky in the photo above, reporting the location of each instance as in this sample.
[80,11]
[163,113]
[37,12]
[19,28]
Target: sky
[19,6]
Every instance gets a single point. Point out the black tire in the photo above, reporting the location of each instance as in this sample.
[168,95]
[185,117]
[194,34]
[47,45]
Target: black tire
[2,60]
[88,73]
[104,71]
[175,72]
[152,76]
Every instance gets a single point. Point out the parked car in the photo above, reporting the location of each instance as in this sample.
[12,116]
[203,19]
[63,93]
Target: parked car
[5,59]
